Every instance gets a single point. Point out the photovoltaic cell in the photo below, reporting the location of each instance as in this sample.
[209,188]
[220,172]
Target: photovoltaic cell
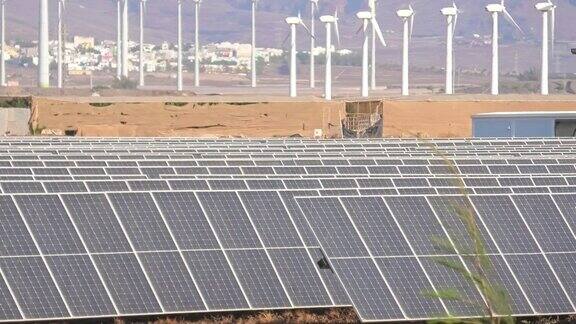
[505,224]
[15,239]
[445,279]
[540,285]
[367,289]
[412,288]
[215,280]
[565,266]
[419,223]
[546,222]
[332,227]
[257,277]
[173,283]
[50,224]
[377,226]
[229,219]
[127,283]
[186,220]
[142,221]
[270,218]
[8,308]
[33,287]
[300,278]
[80,285]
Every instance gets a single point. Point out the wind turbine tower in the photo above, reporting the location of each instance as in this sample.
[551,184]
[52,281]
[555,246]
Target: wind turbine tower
[61,6]
[495,9]
[119,40]
[548,21]
[3,45]
[197,45]
[293,22]
[43,47]
[451,14]
[313,9]
[179,82]
[329,21]
[125,38]
[141,80]
[407,16]
[253,54]
[367,20]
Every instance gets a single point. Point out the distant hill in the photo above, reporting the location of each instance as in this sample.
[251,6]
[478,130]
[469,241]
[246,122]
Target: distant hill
[230,19]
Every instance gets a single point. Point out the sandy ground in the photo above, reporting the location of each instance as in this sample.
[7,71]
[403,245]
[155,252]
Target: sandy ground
[272,115]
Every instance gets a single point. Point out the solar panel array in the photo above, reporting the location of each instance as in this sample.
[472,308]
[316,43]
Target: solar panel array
[116,227]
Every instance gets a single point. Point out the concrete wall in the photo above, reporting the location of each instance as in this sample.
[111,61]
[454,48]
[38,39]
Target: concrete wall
[14,121]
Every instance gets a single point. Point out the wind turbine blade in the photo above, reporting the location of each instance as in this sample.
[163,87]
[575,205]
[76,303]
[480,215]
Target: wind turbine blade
[307,29]
[553,28]
[361,29]
[411,25]
[337,27]
[378,31]
[454,24]
[511,20]
[285,40]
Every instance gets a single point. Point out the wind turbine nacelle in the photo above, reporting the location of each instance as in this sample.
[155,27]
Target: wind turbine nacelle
[450,11]
[364,15]
[328,19]
[293,20]
[544,6]
[495,7]
[405,13]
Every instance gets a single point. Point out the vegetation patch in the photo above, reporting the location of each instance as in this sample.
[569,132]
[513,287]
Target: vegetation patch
[100,104]
[176,104]
[15,102]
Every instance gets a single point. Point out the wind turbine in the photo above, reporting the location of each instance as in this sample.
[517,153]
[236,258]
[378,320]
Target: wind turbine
[141,54]
[253,54]
[407,16]
[197,45]
[119,40]
[179,82]
[61,7]
[293,22]
[367,20]
[329,21]
[451,14]
[3,45]
[495,9]
[548,10]
[313,9]
[43,47]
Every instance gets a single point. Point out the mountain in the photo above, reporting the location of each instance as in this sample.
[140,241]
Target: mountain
[229,20]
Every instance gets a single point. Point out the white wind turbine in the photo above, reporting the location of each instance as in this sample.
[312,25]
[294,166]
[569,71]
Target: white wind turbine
[253,54]
[3,45]
[451,14]
[495,9]
[313,9]
[293,22]
[367,20]
[119,39]
[143,10]
[407,16]
[125,38]
[329,21]
[179,82]
[197,44]
[61,7]
[548,10]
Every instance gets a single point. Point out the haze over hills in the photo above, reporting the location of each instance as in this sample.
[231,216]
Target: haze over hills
[229,20]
